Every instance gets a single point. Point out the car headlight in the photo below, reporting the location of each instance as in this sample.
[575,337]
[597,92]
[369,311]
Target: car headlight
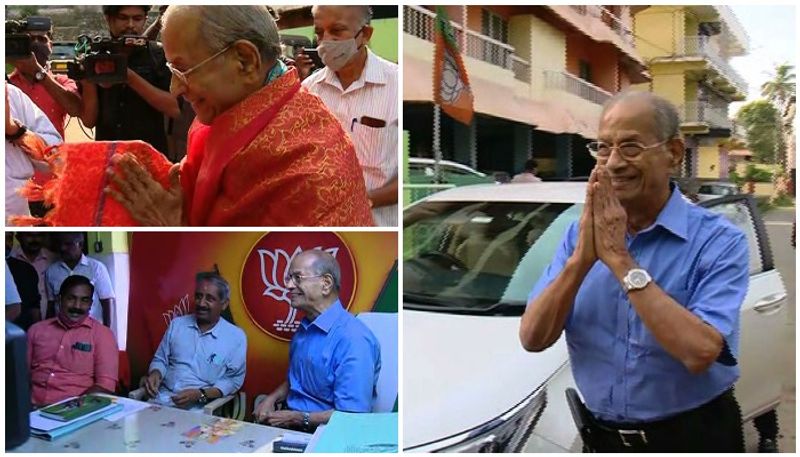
[506,433]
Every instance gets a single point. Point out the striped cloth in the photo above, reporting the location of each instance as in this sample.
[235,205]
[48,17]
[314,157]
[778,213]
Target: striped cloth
[374,96]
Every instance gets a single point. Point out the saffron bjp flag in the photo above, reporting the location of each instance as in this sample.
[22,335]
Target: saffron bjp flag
[451,88]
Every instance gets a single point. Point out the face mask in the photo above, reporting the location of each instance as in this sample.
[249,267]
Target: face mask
[336,53]
[41,52]
[69,323]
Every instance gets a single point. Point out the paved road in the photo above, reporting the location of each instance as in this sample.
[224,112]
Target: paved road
[779,230]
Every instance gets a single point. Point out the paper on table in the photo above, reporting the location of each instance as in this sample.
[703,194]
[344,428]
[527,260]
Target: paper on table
[129,406]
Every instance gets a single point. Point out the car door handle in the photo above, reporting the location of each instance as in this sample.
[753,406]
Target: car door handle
[770,304]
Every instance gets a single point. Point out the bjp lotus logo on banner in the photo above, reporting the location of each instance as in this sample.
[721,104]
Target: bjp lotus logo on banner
[263,287]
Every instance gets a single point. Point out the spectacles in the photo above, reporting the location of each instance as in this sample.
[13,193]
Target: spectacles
[183,76]
[628,150]
[297,278]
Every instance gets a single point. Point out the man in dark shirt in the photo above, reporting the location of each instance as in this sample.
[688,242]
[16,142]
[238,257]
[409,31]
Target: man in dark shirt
[135,110]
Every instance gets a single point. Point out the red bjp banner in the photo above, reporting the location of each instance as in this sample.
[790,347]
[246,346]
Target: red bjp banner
[163,266]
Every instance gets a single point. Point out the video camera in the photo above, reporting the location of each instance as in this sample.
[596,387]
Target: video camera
[18,42]
[103,59]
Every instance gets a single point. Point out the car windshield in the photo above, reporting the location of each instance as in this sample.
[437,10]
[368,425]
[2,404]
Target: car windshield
[479,257]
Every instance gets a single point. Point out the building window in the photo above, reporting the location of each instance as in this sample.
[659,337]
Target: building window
[584,70]
[494,26]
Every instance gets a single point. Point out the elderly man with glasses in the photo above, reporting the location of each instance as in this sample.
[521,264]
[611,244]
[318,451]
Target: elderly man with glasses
[647,288]
[334,359]
[262,150]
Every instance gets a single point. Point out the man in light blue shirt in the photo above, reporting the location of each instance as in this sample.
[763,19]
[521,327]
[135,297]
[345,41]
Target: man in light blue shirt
[653,326]
[334,359]
[201,357]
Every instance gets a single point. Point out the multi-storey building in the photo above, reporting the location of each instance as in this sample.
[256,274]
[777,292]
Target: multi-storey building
[539,75]
[688,50]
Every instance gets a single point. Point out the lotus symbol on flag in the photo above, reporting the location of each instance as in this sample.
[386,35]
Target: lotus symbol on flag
[274,268]
[452,85]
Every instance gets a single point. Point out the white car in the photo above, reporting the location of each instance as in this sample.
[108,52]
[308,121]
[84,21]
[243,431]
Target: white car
[711,190]
[471,256]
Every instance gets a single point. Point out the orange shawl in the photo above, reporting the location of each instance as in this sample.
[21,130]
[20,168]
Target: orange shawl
[278,158]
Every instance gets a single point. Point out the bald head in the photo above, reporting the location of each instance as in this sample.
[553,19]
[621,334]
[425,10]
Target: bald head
[221,25]
[323,263]
[665,119]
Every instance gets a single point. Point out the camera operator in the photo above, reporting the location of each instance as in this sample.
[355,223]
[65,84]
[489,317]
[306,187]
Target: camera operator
[132,111]
[56,95]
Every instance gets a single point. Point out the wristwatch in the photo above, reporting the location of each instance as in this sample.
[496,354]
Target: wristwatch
[20,131]
[306,421]
[203,398]
[636,279]
[39,76]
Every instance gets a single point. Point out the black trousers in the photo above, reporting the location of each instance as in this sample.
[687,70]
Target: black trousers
[713,427]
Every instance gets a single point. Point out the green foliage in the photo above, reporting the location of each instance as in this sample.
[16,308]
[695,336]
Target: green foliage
[755,174]
[762,122]
[783,200]
[781,87]
[28,10]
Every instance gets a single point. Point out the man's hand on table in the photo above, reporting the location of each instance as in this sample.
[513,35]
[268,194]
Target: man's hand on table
[151,383]
[263,409]
[186,398]
[285,419]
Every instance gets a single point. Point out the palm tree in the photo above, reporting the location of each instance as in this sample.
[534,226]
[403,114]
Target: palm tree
[781,87]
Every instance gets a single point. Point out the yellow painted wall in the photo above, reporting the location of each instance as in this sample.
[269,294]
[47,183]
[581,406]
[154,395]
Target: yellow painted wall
[706,157]
[548,52]
[519,35]
[659,31]
[670,86]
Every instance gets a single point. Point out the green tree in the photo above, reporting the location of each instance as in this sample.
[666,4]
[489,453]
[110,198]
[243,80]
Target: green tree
[781,87]
[28,10]
[762,122]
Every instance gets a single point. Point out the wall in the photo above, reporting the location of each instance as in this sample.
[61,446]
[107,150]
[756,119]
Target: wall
[658,31]
[602,59]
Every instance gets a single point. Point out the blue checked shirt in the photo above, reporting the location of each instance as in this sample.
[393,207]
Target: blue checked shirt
[701,260]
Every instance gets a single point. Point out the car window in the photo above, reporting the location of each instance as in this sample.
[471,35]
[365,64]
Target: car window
[474,255]
[739,214]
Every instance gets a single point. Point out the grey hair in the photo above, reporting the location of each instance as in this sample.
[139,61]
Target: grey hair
[365,11]
[215,278]
[223,25]
[325,264]
[665,114]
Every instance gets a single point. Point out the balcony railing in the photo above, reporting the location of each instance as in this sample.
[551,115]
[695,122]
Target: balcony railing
[703,46]
[706,113]
[421,23]
[576,86]
[610,19]
[522,69]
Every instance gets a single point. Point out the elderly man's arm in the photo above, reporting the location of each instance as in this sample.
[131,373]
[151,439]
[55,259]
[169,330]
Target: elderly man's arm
[159,99]
[385,195]
[159,364]
[106,363]
[554,295]
[694,332]
[235,370]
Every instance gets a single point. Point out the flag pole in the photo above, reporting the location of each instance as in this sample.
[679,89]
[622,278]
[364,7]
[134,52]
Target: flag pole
[437,149]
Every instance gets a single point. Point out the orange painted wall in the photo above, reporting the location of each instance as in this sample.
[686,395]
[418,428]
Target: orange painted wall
[602,59]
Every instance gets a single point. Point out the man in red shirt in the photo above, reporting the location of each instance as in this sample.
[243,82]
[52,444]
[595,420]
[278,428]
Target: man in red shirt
[71,354]
[56,95]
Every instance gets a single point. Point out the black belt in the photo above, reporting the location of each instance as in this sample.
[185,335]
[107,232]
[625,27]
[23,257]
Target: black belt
[640,435]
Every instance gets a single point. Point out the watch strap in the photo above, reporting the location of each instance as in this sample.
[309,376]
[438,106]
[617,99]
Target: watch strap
[21,131]
[306,420]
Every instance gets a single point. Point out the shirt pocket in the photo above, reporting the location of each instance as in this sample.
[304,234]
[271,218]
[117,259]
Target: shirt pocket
[78,361]
[369,143]
[210,371]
